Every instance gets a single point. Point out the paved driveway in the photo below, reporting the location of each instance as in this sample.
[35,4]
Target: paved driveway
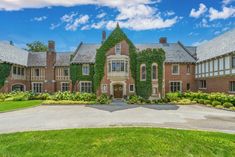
[61,117]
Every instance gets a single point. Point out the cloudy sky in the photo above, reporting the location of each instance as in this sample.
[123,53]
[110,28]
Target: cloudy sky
[69,22]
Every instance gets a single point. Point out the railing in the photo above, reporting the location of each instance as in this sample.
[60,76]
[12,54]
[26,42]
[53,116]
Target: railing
[62,77]
[38,78]
[19,77]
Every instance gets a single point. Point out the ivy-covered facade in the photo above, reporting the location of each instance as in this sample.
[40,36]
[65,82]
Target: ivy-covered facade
[116,67]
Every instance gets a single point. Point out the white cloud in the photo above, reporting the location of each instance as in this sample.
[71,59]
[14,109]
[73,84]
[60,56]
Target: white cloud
[39,19]
[225,2]
[72,26]
[10,5]
[169,13]
[203,23]
[98,25]
[199,42]
[101,15]
[68,17]
[54,26]
[226,12]
[197,13]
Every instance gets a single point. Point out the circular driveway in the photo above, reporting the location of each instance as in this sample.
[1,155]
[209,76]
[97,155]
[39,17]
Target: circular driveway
[47,117]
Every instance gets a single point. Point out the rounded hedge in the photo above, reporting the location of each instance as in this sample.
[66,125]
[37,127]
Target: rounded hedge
[228,105]
[216,103]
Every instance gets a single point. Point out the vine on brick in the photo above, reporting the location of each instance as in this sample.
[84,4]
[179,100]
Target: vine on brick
[116,36]
[148,57]
[5,70]
[76,73]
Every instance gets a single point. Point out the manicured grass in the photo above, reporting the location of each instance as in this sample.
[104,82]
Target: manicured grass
[123,142]
[13,105]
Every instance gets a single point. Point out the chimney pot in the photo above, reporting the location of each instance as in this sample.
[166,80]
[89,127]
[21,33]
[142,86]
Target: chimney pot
[163,40]
[51,46]
[103,36]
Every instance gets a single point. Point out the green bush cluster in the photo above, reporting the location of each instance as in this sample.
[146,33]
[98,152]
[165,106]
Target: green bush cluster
[5,70]
[135,99]
[58,96]
[219,100]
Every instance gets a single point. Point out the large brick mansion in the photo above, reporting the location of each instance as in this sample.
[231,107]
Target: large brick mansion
[208,67]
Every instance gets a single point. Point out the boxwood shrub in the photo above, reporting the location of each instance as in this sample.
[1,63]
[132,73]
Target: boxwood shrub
[216,103]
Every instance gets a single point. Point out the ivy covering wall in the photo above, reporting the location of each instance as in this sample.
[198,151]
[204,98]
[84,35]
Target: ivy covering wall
[76,73]
[148,57]
[5,70]
[116,36]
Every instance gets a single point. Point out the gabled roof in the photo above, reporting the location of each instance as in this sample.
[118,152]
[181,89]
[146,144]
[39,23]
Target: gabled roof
[85,53]
[218,46]
[37,59]
[13,54]
[63,58]
[174,52]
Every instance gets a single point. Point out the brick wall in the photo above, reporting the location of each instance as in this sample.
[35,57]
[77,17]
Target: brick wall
[183,77]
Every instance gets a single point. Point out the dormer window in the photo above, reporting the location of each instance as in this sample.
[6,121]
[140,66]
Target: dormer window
[118,49]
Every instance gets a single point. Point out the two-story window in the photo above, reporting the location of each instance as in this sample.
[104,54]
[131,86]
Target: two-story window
[143,72]
[85,69]
[85,86]
[118,66]
[118,49]
[175,69]
[202,84]
[233,61]
[232,86]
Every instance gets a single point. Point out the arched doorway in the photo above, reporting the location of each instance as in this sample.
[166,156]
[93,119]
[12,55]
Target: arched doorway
[18,87]
[118,91]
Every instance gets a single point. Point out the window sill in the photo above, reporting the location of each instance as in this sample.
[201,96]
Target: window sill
[202,88]
[175,74]
[231,92]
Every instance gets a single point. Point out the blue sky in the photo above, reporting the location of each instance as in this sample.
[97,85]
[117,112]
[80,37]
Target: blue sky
[144,21]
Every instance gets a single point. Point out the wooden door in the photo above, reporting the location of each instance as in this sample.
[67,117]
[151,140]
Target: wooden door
[118,91]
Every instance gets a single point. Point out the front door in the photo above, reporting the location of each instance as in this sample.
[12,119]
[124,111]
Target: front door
[118,91]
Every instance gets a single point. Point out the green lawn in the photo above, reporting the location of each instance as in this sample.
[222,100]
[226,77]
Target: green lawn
[13,105]
[123,142]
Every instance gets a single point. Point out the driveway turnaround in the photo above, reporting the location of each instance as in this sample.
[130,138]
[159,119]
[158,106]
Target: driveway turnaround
[82,116]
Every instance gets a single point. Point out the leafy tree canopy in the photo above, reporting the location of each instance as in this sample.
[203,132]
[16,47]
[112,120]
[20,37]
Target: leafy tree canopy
[36,46]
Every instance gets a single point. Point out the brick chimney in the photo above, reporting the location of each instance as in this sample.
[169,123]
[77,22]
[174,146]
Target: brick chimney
[103,36]
[163,40]
[49,83]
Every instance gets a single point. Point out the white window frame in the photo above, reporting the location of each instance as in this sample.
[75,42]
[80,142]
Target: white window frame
[172,67]
[118,45]
[180,83]
[106,88]
[188,67]
[232,64]
[61,86]
[154,64]
[80,86]
[231,87]
[141,72]
[33,83]
[204,84]
[131,91]
[86,73]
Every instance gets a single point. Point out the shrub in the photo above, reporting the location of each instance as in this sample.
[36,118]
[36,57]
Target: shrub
[232,108]
[207,102]
[228,105]
[85,97]
[63,95]
[219,106]
[216,103]
[133,99]
[184,102]
[201,101]
[173,96]
[103,99]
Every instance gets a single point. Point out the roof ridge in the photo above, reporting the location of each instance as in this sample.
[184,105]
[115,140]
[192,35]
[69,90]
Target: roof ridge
[185,49]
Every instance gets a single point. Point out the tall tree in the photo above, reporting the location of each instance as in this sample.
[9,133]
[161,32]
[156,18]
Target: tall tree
[36,46]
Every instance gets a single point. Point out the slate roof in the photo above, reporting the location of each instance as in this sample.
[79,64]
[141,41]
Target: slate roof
[37,59]
[12,54]
[85,53]
[175,52]
[63,58]
[218,46]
